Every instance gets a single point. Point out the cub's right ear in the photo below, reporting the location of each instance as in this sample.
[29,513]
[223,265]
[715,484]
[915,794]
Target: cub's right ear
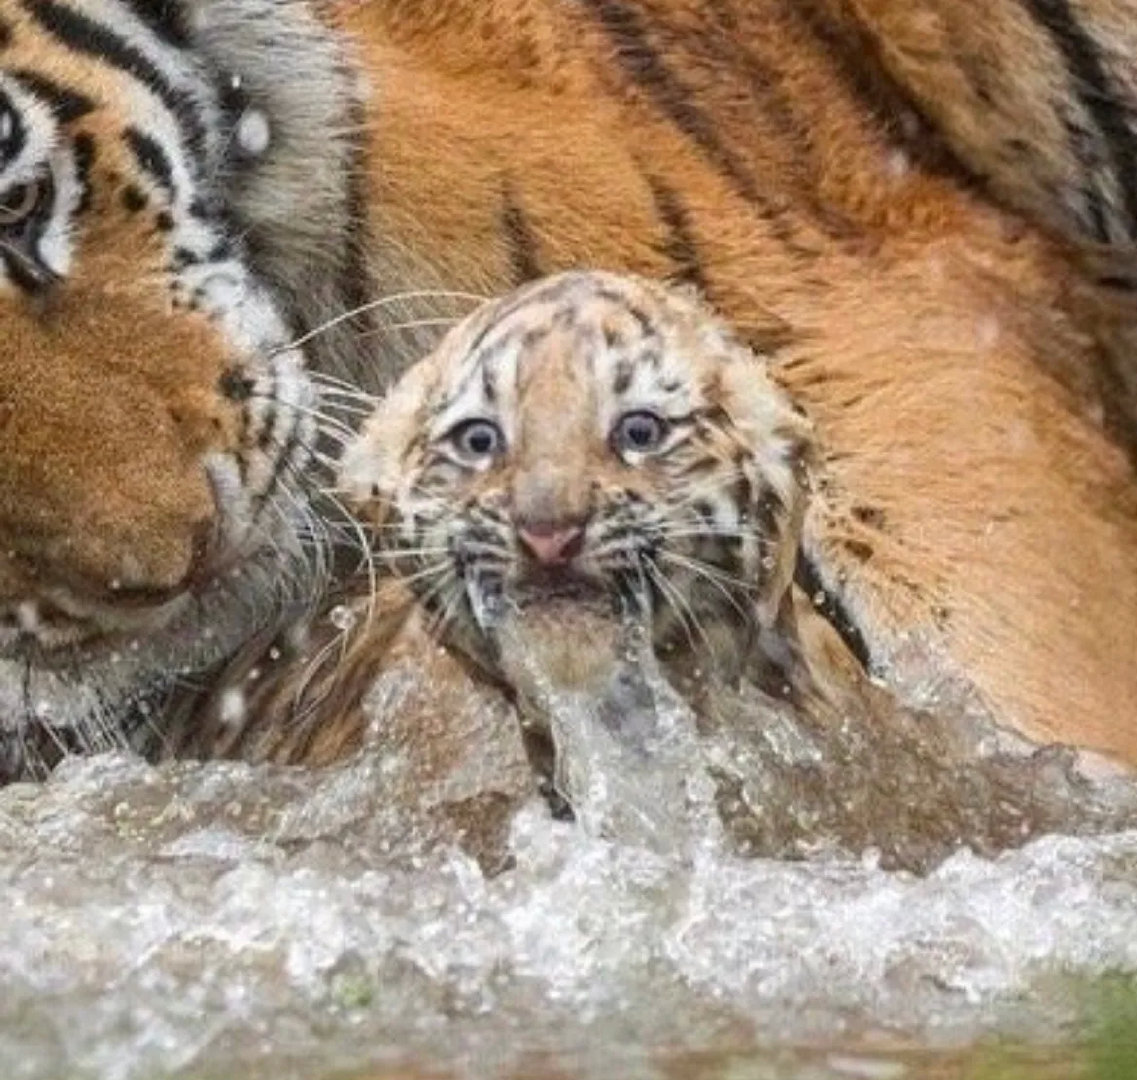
[375,465]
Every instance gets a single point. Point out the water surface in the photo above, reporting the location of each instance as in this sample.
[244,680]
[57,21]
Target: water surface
[226,920]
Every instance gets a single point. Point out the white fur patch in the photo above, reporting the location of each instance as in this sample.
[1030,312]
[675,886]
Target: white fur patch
[253,132]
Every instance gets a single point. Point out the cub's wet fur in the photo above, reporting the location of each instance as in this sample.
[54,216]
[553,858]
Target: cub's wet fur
[589,452]
[590,439]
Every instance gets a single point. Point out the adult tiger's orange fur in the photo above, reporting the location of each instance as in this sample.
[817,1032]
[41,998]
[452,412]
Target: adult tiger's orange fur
[975,517]
[925,215]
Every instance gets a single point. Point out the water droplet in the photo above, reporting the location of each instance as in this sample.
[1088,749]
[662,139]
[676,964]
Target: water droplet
[232,707]
[27,615]
[253,132]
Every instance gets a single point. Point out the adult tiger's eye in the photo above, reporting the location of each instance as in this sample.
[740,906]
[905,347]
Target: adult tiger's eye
[476,439]
[21,202]
[639,432]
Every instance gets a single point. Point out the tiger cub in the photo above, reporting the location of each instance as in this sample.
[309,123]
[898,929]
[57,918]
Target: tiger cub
[590,453]
[592,497]
[588,457]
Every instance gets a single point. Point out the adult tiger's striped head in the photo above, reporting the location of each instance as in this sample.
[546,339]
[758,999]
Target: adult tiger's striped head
[589,436]
[154,414]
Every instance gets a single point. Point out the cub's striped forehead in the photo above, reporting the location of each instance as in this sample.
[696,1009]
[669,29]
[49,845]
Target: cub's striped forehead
[622,341]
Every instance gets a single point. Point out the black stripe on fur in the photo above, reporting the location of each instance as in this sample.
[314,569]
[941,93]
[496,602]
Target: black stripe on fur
[66,104]
[1098,98]
[88,37]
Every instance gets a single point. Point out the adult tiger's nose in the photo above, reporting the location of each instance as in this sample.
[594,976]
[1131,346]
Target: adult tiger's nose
[552,543]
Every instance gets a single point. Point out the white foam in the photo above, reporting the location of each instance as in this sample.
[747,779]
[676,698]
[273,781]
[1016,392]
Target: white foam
[249,921]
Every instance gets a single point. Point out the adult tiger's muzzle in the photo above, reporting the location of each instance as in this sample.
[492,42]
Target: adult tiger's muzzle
[114,434]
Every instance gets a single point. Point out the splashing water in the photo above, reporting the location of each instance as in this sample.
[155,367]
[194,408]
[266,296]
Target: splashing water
[626,745]
[225,920]
[418,912]
[733,766]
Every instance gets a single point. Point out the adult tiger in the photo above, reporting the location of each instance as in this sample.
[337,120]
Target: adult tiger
[156,420]
[877,193]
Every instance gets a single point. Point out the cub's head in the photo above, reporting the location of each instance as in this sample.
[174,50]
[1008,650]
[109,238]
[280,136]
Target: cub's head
[153,416]
[588,436]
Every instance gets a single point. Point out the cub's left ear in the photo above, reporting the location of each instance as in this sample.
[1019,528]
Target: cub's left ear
[778,456]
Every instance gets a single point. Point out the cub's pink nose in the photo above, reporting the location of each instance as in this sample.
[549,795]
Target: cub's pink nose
[552,543]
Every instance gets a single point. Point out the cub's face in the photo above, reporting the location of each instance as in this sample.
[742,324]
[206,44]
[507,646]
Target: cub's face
[589,436]
[151,411]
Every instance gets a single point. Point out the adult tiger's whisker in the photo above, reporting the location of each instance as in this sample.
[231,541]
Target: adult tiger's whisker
[326,379]
[415,324]
[366,549]
[373,305]
[349,407]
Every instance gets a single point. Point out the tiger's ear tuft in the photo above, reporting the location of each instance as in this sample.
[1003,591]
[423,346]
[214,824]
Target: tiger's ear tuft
[779,441]
[373,467]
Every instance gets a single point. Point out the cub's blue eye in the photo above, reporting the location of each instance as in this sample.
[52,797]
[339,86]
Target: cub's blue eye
[475,439]
[639,432]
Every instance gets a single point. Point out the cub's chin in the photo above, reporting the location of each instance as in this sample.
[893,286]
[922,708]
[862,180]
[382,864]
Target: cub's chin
[546,589]
[562,632]
[579,660]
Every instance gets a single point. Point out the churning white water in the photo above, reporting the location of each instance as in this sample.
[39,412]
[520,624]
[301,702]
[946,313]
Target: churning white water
[222,920]
[774,894]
